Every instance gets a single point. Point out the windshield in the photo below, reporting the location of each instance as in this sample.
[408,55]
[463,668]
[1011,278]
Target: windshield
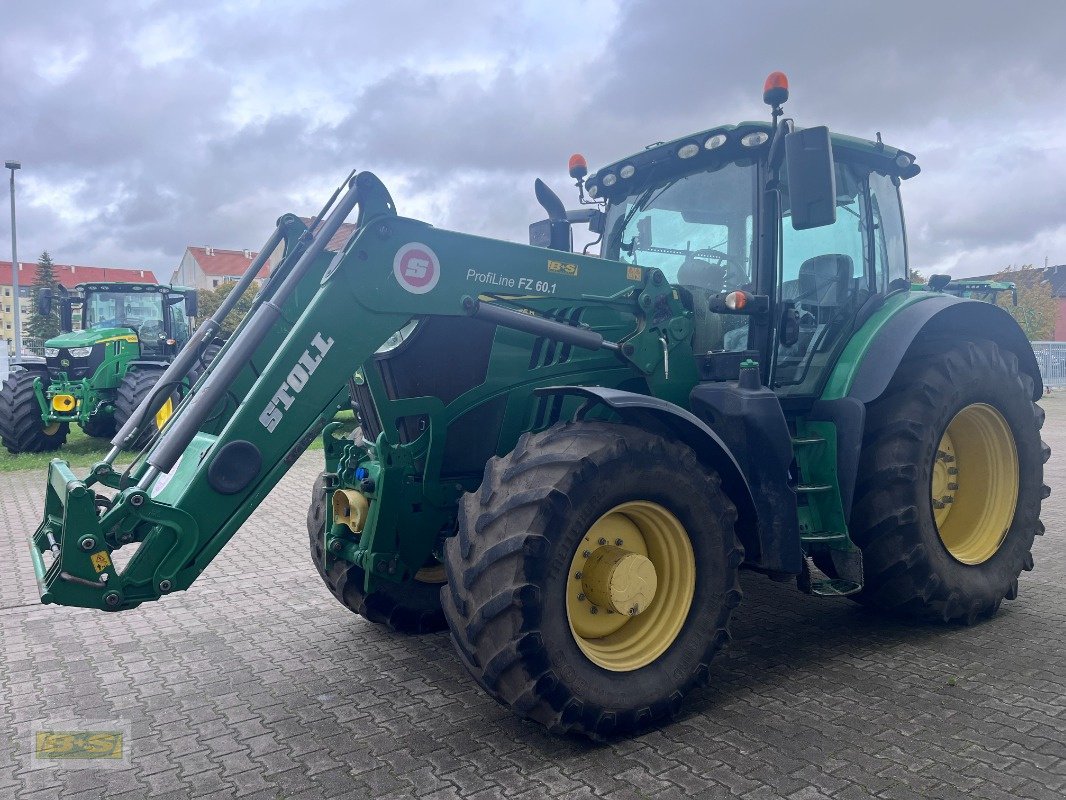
[696,228]
[122,309]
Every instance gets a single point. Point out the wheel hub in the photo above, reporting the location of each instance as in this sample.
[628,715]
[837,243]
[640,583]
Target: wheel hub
[620,580]
[974,483]
[631,583]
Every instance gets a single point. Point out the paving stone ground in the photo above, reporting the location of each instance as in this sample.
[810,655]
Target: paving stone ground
[257,684]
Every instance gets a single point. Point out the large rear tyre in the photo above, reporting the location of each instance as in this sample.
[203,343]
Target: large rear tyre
[592,577]
[21,428]
[137,385]
[950,484]
[409,607]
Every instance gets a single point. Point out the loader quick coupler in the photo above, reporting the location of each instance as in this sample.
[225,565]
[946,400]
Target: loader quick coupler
[82,572]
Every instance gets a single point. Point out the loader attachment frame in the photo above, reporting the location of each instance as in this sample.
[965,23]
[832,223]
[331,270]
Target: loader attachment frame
[282,376]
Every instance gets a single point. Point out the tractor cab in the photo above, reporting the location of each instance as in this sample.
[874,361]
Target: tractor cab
[153,318]
[781,241]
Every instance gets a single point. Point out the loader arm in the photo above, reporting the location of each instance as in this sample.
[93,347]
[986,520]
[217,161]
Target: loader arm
[261,402]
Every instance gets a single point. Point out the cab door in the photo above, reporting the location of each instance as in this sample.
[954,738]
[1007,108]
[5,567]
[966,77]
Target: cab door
[828,274]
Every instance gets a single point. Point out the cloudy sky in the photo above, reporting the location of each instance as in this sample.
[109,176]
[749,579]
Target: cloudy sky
[146,126]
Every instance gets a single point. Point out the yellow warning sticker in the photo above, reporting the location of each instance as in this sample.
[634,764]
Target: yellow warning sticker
[100,560]
[633,273]
[563,268]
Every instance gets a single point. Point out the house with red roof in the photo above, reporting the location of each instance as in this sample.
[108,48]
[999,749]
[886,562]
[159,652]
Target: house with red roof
[68,275]
[210,267]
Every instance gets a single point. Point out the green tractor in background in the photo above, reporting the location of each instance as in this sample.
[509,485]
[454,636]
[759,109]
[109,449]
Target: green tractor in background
[98,370]
[566,459]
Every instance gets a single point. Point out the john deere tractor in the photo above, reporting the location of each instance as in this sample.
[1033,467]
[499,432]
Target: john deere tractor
[96,372]
[567,458]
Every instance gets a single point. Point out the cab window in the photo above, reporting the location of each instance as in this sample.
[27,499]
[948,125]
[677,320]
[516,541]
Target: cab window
[890,246]
[697,229]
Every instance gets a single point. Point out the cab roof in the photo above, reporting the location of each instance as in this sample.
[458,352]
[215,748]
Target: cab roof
[125,286]
[729,144]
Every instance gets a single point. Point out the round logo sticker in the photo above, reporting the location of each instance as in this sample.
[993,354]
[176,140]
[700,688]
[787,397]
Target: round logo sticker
[416,268]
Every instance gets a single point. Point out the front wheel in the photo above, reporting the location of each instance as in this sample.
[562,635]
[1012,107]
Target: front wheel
[592,578]
[412,606]
[21,428]
[950,484]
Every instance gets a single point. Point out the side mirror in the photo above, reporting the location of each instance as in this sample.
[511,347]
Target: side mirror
[66,316]
[192,300]
[811,181]
[44,302]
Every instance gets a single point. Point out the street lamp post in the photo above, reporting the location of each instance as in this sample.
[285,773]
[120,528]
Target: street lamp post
[14,165]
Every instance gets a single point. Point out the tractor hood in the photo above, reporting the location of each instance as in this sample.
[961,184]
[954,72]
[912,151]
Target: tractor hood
[91,337]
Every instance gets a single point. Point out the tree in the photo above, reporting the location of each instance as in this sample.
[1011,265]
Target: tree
[44,326]
[916,277]
[209,300]
[1037,308]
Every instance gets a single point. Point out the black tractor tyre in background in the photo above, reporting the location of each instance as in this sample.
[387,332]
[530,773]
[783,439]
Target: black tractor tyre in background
[908,567]
[510,603]
[21,428]
[136,385]
[100,426]
[409,607]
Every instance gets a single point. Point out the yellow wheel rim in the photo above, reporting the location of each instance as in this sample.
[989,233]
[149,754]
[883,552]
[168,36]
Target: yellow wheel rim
[975,483]
[630,587]
[432,574]
[51,430]
[164,413]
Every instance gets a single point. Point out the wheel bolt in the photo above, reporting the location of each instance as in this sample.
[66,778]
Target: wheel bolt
[586,553]
[594,610]
[581,596]
[953,487]
[617,542]
[602,541]
[577,576]
[953,470]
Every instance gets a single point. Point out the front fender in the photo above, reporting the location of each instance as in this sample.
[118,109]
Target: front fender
[656,414]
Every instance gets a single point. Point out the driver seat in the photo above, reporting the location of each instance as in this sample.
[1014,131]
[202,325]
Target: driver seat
[824,284]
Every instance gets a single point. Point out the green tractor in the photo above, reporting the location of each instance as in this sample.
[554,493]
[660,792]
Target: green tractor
[566,458]
[97,372]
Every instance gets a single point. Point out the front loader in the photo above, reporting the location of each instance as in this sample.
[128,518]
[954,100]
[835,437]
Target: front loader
[565,459]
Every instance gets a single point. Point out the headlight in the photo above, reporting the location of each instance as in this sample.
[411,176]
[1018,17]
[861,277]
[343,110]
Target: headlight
[398,338]
[51,352]
[80,352]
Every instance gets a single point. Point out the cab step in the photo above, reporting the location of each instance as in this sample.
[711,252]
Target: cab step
[804,441]
[812,488]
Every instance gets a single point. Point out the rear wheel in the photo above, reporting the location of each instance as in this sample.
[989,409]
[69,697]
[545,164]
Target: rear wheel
[137,385]
[409,607]
[21,428]
[592,578]
[951,482]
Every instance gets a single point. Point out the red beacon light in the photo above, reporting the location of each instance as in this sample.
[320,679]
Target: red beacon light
[578,166]
[775,90]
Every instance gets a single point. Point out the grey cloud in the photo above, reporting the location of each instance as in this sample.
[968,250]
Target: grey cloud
[461,106]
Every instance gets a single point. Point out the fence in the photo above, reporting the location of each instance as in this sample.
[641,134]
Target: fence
[1051,358]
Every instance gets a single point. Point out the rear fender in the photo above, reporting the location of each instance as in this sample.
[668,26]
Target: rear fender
[941,316]
[656,414]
